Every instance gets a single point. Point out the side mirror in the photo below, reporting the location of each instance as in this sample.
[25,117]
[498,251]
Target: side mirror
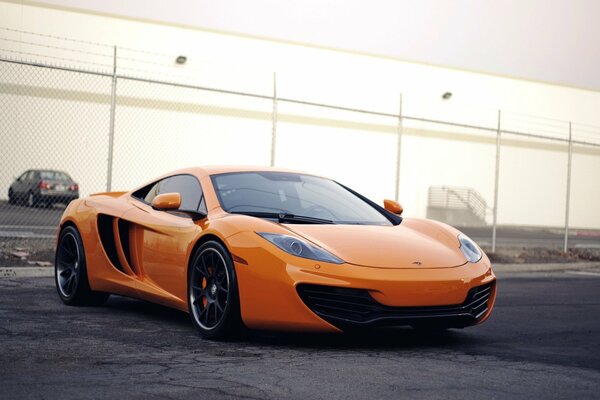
[167,201]
[393,206]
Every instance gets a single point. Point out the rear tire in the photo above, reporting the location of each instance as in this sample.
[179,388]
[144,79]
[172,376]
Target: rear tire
[11,197]
[70,271]
[32,200]
[213,297]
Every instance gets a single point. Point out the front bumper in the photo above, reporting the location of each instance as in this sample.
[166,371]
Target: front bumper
[350,308]
[271,286]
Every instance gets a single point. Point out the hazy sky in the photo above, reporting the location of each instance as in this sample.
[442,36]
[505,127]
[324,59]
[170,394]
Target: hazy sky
[555,41]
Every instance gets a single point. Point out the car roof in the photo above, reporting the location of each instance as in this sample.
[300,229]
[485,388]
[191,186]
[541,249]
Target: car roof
[224,169]
[209,170]
[46,170]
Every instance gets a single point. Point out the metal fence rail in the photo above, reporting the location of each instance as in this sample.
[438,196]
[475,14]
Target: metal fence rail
[461,198]
[120,104]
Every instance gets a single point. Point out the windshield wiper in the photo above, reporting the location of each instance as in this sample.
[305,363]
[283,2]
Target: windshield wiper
[285,217]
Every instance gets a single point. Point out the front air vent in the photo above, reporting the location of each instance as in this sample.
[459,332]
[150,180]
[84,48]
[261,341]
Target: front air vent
[348,306]
[107,238]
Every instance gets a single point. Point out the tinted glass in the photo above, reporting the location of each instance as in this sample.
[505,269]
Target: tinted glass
[54,176]
[301,195]
[189,189]
[186,185]
[148,193]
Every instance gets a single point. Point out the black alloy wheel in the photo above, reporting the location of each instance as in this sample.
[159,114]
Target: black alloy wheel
[70,273]
[212,292]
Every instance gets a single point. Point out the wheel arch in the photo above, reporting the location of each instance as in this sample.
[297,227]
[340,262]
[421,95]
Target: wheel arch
[64,224]
[73,216]
[207,237]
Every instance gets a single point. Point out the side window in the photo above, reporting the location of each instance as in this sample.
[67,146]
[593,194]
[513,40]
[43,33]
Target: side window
[192,198]
[152,191]
[147,193]
[24,176]
[31,175]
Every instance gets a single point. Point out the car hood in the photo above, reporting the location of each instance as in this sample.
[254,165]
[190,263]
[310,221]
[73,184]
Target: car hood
[412,244]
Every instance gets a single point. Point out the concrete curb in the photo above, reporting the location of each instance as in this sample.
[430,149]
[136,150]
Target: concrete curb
[26,272]
[38,272]
[550,267]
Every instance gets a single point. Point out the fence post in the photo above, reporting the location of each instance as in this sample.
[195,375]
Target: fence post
[274,121]
[398,150]
[569,163]
[111,132]
[496,182]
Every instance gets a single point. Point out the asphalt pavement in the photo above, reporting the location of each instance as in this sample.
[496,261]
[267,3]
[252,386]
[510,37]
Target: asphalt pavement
[543,341]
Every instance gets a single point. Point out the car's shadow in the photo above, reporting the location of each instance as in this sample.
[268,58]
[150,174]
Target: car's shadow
[151,311]
[375,339]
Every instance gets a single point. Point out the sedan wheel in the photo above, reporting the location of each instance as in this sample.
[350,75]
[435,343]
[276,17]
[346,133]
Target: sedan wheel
[212,292]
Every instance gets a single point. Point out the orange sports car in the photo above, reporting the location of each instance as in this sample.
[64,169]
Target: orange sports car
[270,249]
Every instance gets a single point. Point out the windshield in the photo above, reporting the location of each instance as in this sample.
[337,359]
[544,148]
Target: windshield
[261,193]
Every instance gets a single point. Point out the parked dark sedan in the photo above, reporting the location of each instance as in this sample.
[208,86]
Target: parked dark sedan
[42,187]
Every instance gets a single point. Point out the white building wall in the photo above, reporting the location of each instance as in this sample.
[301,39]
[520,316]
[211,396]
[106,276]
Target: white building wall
[160,128]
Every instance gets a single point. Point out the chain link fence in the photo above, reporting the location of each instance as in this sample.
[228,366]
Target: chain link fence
[106,123]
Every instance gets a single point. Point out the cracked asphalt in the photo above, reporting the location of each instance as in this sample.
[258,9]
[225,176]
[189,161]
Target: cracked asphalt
[543,341]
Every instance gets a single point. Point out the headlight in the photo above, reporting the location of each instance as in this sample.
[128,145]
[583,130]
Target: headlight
[469,248]
[300,248]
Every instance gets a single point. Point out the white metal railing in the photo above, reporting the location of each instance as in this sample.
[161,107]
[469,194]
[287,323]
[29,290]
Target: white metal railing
[469,198]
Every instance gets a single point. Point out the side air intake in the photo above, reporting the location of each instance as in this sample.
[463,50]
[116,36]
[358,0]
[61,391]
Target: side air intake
[107,238]
[124,227]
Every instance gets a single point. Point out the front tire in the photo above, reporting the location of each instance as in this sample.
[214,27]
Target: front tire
[70,272]
[11,197]
[213,297]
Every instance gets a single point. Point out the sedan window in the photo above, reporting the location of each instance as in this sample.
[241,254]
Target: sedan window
[54,176]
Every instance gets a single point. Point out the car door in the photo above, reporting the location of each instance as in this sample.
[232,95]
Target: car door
[32,181]
[161,240]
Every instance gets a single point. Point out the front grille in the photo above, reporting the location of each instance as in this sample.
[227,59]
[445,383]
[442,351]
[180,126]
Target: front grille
[346,306]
